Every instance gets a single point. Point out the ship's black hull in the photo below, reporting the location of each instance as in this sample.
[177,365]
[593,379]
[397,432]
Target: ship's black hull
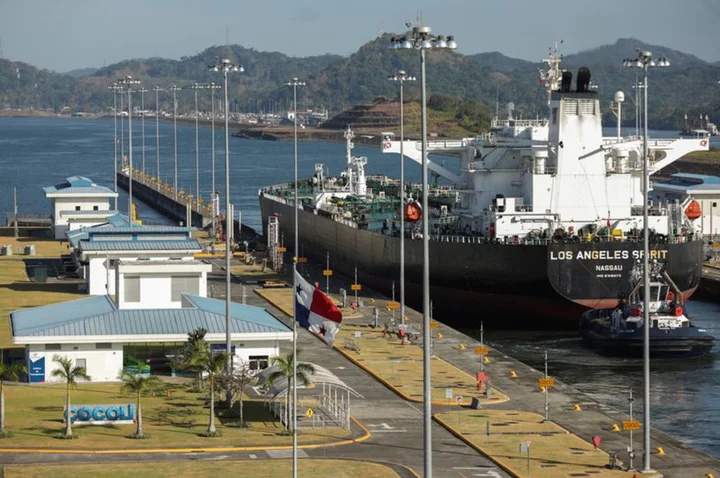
[509,285]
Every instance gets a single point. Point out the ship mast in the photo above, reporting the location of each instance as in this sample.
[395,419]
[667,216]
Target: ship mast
[551,76]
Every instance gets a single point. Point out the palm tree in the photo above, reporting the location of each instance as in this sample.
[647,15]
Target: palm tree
[137,384]
[285,370]
[70,375]
[212,364]
[193,353]
[8,372]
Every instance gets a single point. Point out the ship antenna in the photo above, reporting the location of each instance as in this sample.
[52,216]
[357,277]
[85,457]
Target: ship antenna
[349,135]
[551,76]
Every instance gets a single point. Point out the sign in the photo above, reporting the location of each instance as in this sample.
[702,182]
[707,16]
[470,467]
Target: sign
[448,393]
[481,350]
[309,413]
[482,377]
[327,272]
[458,399]
[355,287]
[546,382]
[716,246]
[433,325]
[393,305]
[219,348]
[631,425]
[101,414]
[37,370]
[302,260]
[282,249]
[525,446]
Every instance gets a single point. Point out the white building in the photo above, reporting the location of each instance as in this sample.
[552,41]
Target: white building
[78,203]
[699,187]
[94,333]
[152,264]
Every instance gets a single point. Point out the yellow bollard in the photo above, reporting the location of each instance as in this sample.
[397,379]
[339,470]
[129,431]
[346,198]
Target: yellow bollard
[577,407]
[372,301]
[513,374]
[709,475]
[615,427]
[439,336]
[660,451]
[486,359]
[462,347]
[542,389]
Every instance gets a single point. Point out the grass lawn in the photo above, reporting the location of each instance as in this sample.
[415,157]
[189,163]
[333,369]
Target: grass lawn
[44,247]
[553,451]
[239,469]
[34,416]
[401,366]
[18,292]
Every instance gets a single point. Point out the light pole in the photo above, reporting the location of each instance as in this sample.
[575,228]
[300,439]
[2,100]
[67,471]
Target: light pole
[402,77]
[127,82]
[197,87]
[644,61]
[226,67]
[115,88]
[174,90]
[122,124]
[157,91]
[142,92]
[421,38]
[295,83]
[213,87]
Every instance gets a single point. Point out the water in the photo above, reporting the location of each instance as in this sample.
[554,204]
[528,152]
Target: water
[685,394]
[43,152]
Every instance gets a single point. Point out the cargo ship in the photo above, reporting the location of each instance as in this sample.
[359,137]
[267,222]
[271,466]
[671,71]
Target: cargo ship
[540,220]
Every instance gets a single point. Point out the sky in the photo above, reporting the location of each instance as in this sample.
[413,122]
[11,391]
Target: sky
[62,35]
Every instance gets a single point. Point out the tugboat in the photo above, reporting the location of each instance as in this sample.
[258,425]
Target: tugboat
[619,330]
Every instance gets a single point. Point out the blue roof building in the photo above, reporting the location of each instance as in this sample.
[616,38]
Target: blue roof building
[78,203]
[93,332]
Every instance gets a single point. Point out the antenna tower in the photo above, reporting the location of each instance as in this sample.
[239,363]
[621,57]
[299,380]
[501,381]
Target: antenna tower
[551,76]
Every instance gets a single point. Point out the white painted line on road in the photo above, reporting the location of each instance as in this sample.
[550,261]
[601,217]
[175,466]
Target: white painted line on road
[389,431]
[252,455]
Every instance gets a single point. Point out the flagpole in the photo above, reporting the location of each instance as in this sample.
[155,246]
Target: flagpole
[295,83]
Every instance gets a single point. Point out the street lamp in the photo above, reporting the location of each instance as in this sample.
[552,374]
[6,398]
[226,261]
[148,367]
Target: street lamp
[197,87]
[157,91]
[115,88]
[644,61]
[421,38]
[295,83]
[402,77]
[142,92]
[213,87]
[174,90]
[226,67]
[127,82]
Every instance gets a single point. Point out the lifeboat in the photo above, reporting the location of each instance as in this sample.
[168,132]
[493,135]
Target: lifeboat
[693,210]
[413,211]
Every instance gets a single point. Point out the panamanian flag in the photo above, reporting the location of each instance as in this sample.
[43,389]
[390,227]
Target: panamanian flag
[316,311]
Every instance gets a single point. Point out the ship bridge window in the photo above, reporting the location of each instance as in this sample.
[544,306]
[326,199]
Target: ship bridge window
[587,107]
[571,107]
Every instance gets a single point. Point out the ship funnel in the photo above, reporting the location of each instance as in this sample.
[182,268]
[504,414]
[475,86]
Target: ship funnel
[583,80]
[566,82]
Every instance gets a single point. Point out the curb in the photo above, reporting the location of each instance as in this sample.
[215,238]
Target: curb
[135,451]
[460,436]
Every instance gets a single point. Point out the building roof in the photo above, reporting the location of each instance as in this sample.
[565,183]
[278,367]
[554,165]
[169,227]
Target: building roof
[99,317]
[140,245]
[86,212]
[688,183]
[78,185]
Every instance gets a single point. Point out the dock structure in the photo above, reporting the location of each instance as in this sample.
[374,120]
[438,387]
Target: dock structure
[166,200]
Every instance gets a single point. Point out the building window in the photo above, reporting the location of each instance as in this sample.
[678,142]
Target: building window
[103,346]
[183,285]
[53,347]
[77,208]
[714,204]
[554,115]
[132,289]
[258,362]
[96,208]
[81,363]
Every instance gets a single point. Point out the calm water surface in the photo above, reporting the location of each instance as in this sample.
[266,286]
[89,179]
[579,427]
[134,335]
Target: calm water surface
[43,152]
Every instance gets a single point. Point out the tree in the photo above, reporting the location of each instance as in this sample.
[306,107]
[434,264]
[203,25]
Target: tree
[137,384]
[192,353]
[70,375]
[12,373]
[285,370]
[236,381]
[212,364]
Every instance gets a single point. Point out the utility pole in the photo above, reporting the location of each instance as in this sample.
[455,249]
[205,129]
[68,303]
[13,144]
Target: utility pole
[327,277]
[15,214]
[631,450]
[547,390]
[482,344]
